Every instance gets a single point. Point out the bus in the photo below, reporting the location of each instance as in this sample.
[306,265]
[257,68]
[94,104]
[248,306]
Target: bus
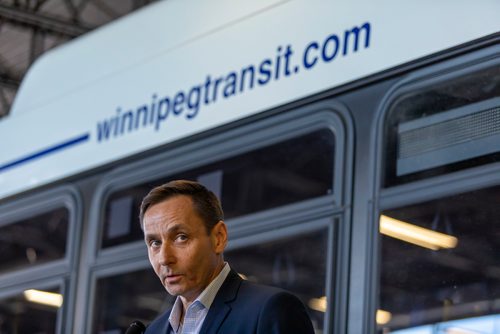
[354,147]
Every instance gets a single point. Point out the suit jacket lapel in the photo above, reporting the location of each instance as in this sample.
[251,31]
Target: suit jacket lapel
[166,328]
[220,308]
[160,325]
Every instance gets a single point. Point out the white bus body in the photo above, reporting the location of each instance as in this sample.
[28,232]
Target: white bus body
[345,139]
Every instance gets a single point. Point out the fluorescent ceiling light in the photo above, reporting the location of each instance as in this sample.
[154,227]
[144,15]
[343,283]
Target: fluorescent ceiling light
[44,297]
[383,317]
[415,234]
[318,304]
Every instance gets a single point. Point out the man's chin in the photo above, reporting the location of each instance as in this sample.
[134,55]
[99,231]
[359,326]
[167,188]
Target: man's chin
[174,290]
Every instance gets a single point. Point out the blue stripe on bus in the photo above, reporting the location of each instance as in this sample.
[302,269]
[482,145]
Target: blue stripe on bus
[47,151]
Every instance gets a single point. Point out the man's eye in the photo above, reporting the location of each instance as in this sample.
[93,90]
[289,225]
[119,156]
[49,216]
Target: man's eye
[181,237]
[154,243]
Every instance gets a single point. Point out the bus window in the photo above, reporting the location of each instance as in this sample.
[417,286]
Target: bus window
[440,264]
[115,310]
[443,126]
[296,263]
[284,262]
[38,240]
[286,172]
[32,311]
[34,240]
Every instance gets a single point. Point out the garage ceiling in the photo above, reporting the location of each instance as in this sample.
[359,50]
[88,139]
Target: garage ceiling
[28,28]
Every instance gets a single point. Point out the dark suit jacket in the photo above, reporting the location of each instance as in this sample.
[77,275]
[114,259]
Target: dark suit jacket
[241,307]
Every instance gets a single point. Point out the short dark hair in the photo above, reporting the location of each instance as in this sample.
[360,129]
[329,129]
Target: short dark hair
[205,203]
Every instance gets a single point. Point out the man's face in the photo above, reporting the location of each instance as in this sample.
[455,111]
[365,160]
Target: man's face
[184,256]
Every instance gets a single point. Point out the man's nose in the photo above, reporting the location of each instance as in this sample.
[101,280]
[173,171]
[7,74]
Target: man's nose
[166,254]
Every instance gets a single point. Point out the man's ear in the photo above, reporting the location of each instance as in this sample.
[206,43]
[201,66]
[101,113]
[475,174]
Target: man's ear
[219,237]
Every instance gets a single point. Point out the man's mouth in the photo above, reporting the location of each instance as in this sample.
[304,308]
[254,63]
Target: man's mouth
[173,278]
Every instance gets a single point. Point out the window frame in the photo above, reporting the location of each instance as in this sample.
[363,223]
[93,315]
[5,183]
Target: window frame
[255,132]
[218,147]
[425,189]
[332,223]
[61,272]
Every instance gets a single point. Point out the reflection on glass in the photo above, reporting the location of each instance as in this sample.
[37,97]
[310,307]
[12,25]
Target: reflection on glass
[297,264]
[20,315]
[34,240]
[416,235]
[126,297]
[421,286]
[283,173]
[44,297]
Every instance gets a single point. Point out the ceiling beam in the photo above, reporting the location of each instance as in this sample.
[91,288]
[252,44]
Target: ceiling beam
[48,24]
[105,9]
[36,47]
[8,81]
[4,104]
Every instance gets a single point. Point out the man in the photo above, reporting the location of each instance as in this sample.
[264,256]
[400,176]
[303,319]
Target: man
[185,233]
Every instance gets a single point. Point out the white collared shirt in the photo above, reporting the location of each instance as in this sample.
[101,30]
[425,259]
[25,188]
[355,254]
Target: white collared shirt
[197,311]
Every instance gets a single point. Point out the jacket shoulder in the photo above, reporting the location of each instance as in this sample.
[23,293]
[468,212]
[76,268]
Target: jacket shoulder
[268,310]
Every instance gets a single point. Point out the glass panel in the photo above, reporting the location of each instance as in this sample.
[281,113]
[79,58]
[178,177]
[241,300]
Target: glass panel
[462,139]
[34,311]
[34,240]
[429,278]
[126,297]
[297,264]
[287,172]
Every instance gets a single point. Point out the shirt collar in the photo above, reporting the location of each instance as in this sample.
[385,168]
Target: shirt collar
[207,297]
[175,315]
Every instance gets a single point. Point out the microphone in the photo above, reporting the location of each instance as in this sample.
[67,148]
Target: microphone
[136,327]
